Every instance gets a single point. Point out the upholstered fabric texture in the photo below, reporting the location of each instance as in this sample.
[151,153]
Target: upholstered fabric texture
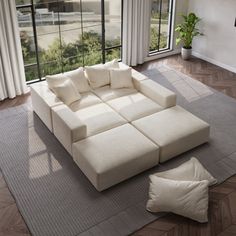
[97,76]
[67,127]
[67,92]
[178,131]
[121,78]
[87,99]
[186,198]
[55,80]
[115,155]
[106,93]
[134,106]
[165,97]
[191,170]
[99,118]
[79,79]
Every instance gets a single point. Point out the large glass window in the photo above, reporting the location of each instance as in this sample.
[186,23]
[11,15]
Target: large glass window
[61,35]
[160,27]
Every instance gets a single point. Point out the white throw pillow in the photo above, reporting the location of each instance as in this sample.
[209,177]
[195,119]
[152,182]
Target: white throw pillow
[121,78]
[67,92]
[55,80]
[191,170]
[97,76]
[186,198]
[79,79]
[112,64]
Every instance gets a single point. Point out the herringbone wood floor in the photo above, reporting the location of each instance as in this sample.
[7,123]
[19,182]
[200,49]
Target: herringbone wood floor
[222,207]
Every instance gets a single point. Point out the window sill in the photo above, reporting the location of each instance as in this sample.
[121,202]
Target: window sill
[161,54]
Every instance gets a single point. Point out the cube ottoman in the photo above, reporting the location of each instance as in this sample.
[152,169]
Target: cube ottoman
[174,130]
[115,155]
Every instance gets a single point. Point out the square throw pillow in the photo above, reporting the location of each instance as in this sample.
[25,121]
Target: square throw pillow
[112,64]
[185,198]
[191,170]
[67,92]
[97,76]
[121,78]
[79,79]
[55,80]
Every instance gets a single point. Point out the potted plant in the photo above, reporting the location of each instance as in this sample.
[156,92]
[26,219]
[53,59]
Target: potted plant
[187,31]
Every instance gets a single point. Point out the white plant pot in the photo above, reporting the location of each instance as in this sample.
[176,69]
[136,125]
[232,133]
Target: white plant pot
[186,53]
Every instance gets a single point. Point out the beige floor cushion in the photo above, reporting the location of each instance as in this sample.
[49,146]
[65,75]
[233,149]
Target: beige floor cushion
[191,170]
[115,155]
[87,99]
[106,93]
[175,130]
[134,106]
[99,118]
[186,198]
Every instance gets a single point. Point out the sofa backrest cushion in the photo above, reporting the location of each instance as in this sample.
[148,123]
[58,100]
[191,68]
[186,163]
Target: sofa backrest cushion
[55,80]
[67,92]
[79,79]
[112,64]
[121,78]
[99,75]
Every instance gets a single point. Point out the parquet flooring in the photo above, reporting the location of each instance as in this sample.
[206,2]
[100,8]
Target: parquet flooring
[209,74]
[222,206]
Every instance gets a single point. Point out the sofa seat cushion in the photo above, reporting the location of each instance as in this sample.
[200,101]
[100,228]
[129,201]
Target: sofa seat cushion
[87,99]
[115,155]
[175,130]
[99,118]
[106,93]
[134,106]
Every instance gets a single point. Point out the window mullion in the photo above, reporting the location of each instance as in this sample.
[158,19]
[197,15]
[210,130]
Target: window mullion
[159,28]
[35,39]
[60,40]
[103,30]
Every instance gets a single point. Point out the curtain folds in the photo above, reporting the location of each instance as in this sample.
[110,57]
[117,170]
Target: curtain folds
[136,31]
[12,75]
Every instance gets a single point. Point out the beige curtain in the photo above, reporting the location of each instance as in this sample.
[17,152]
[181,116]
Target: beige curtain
[136,31]
[12,75]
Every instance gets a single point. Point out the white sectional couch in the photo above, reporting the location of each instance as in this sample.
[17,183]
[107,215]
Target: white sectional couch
[115,133]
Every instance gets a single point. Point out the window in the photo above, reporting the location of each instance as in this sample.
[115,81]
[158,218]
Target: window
[61,35]
[160,26]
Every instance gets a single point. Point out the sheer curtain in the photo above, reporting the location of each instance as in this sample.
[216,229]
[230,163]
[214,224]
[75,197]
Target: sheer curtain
[12,75]
[136,27]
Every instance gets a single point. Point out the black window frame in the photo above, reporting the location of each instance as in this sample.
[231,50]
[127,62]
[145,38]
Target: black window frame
[158,50]
[104,49]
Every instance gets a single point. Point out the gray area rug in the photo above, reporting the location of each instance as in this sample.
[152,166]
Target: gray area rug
[54,196]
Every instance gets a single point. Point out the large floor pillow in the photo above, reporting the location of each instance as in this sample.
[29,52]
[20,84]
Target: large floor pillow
[191,170]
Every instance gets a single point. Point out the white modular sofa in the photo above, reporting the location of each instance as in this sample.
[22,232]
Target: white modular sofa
[114,134]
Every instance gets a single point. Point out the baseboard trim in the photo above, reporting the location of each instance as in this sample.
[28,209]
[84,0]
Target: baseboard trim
[217,63]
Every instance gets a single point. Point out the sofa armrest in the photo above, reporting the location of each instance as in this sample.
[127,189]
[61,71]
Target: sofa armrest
[43,99]
[163,96]
[67,127]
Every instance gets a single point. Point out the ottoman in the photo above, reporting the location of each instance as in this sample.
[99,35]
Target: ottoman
[115,155]
[174,130]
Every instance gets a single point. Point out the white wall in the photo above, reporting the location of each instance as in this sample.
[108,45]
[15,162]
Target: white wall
[218,45]
[181,7]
